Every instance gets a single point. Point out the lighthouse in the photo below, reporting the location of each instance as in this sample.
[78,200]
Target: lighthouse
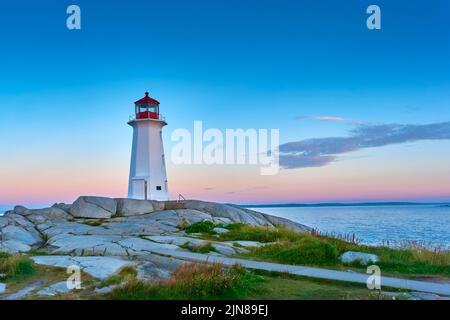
[148,179]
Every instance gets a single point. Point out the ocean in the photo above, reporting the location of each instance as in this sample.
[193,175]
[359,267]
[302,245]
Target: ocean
[374,225]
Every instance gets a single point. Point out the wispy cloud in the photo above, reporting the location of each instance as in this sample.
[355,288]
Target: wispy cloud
[322,118]
[322,151]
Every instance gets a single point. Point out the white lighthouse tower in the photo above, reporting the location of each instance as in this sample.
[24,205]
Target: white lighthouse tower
[148,179]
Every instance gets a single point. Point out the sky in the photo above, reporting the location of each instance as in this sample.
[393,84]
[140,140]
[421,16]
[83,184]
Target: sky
[363,115]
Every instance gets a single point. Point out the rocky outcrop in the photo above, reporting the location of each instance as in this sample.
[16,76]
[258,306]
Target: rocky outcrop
[14,246]
[21,210]
[93,207]
[361,257]
[120,227]
[132,207]
[17,233]
[62,206]
[231,213]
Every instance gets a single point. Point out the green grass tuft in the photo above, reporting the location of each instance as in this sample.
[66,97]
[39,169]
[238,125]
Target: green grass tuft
[192,281]
[201,227]
[239,231]
[203,248]
[307,251]
[16,266]
[127,273]
[199,248]
[93,223]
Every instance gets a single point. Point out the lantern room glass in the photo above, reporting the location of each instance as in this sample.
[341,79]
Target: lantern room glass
[147,110]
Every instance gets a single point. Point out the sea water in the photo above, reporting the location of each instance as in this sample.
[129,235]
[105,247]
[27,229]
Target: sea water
[374,225]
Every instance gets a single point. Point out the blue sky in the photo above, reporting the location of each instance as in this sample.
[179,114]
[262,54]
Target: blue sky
[65,95]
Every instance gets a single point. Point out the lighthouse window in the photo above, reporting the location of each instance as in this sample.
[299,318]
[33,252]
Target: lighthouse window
[158,188]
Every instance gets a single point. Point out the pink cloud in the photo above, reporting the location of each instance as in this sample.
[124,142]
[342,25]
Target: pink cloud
[331,119]
[322,118]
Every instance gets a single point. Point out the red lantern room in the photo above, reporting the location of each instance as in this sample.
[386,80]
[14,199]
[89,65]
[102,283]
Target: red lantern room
[147,108]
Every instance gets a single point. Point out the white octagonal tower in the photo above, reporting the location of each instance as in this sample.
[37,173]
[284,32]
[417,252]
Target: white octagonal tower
[148,179]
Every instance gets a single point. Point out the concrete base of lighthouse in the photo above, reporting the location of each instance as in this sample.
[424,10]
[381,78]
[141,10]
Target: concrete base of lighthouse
[148,179]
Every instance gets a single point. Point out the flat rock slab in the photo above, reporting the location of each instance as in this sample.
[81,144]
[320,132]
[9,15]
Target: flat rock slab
[65,227]
[14,246]
[144,226]
[98,267]
[361,257]
[177,240]
[224,249]
[138,244]
[20,234]
[220,230]
[87,245]
[155,266]
[107,289]
[24,292]
[54,289]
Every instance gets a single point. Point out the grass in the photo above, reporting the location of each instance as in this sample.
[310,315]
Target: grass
[200,227]
[44,237]
[192,281]
[200,248]
[290,247]
[48,275]
[21,272]
[16,266]
[93,223]
[183,224]
[213,281]
[411,259]
[127,273]
[238,231]
[307,251]
[281,286]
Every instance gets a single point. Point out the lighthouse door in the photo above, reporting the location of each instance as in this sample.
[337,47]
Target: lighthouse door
[140,189]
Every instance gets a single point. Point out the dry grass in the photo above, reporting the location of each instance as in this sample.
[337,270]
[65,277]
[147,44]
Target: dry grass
[16,265]
[191,281]
[127,273]
[200,248]
[436,256]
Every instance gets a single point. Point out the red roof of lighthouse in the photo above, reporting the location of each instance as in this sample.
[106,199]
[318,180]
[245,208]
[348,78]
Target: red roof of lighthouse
[147,99]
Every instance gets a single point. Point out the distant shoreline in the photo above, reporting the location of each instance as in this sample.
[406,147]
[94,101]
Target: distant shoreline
[361,204]
[324,204]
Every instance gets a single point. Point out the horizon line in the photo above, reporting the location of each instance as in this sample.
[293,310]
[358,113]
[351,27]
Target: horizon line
[365,203]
